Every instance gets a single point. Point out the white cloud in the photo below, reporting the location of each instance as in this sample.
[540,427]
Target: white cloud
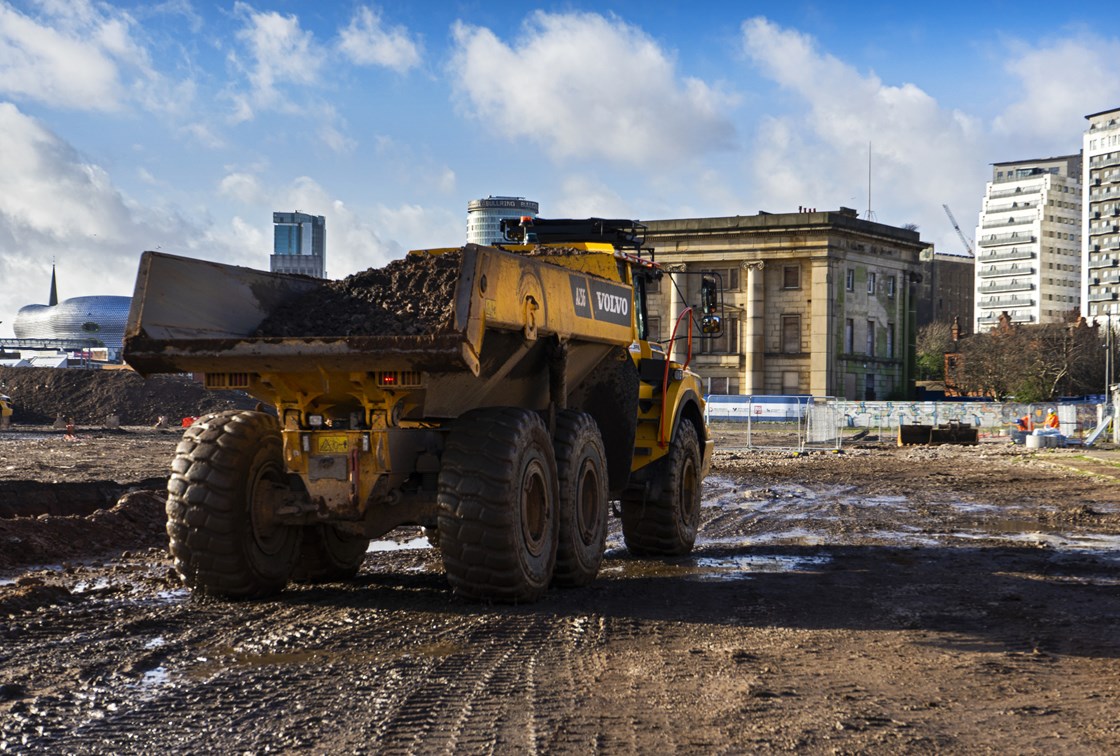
[243,187]
[1062,83]
[84,57]
[585,86]
[922,155]
[280,52]
[367,42]
[54,204]
[202,134]
[418,227]
[413,169]
[71,66]
[352,243]
[445,181]
[46,190]
[585,197]
[335,140]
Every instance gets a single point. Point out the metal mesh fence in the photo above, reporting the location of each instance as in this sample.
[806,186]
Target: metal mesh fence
[778,423]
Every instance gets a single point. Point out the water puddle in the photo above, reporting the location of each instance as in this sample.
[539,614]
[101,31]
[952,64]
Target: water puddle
[791,537]
[155,678]
[742,566]
[1096,544]
[89,586]
[174,595]
[728,567]
[388,545]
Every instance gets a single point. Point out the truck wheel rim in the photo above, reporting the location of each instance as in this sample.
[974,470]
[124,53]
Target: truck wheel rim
[587,505]
[268,535]
[534,508]
[690,499]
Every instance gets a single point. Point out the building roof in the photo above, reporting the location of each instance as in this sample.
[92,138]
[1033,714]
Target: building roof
[844,218]
[1103,112]
[1041,160]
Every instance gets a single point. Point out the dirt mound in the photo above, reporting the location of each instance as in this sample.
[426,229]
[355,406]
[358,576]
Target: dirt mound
[135,521]
[88,396]
[408,297]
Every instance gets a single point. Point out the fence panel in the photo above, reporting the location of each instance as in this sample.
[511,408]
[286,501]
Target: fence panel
[780,423]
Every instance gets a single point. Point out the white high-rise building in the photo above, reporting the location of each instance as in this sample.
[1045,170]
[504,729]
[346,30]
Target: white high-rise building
[1100,282]
[1029,259]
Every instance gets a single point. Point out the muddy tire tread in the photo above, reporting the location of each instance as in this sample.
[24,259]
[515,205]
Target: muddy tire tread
[651,526]
[206,509]
[577,434]
[477,524]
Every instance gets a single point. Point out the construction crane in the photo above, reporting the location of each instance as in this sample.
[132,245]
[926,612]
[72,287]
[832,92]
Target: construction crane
[964,240]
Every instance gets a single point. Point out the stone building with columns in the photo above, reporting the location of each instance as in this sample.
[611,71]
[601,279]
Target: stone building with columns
[820,303]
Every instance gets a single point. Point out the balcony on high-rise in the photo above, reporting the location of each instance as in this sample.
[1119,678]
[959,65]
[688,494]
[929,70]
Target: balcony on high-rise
[996,271]
[1026,191]
[1014,237]
[988,303]
[1015,253]
[1005,286]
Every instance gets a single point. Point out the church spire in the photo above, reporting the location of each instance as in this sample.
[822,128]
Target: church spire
[54,289]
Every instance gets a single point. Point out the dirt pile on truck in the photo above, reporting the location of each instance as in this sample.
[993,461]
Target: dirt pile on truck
[409,297]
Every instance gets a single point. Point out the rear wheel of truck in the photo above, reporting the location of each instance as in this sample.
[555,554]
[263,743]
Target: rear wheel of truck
[328,555]
[662,519]
[498,519]
[224,540]
[582,476]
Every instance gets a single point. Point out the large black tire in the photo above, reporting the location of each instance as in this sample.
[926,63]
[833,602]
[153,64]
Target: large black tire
[223,541]
[498,522]
[328,555]
[581,467]
[662,519]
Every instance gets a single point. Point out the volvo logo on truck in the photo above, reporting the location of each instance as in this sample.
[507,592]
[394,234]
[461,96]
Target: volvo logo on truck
[601,300]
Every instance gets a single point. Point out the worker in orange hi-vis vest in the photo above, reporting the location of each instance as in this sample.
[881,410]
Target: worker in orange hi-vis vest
[1052,420]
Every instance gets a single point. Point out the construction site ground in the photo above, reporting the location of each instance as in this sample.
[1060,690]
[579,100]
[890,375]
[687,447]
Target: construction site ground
[881,599]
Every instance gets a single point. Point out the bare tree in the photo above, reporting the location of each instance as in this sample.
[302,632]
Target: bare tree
[933,342]
[1033,363]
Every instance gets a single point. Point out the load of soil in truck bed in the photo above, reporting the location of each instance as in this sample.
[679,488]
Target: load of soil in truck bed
[409,297]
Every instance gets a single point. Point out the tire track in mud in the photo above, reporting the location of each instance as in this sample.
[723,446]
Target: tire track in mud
[468,698]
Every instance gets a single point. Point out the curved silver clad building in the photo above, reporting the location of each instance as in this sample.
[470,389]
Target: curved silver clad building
[98,317]
[485,215]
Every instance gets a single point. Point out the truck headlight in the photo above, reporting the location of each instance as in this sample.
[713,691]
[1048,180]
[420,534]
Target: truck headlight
[315,421]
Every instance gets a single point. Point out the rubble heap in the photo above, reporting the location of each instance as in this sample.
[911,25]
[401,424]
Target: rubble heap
[408,297]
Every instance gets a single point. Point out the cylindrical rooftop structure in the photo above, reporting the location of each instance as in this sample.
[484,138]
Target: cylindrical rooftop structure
[484,217]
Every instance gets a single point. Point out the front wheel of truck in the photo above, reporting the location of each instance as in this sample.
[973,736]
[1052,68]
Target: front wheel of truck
[662,519]
[223,538]
[498,520]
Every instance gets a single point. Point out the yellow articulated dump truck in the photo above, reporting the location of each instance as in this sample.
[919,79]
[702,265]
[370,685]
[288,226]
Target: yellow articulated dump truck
[499,397]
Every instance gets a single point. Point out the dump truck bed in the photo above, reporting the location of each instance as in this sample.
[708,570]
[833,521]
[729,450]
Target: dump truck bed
[196,316]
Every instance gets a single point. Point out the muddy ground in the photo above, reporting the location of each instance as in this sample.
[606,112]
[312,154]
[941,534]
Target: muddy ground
[914,600]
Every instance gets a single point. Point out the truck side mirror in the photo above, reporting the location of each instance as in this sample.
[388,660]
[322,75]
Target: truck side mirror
[711,322]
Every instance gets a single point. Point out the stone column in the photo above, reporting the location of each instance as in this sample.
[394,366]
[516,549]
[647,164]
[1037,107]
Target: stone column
[822,347]
[754,335]
[677,305]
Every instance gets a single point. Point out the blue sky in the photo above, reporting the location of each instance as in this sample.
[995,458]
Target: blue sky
[181,125]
